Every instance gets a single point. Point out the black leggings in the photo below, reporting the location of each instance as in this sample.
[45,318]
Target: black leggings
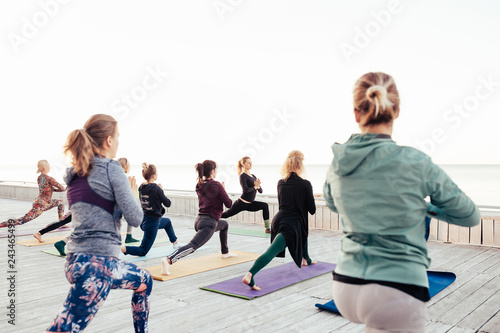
[205,227]
[56,225]
[254,206]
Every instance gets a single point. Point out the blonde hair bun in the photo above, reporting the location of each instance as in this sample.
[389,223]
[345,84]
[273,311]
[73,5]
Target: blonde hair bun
[376,91]
[376,98]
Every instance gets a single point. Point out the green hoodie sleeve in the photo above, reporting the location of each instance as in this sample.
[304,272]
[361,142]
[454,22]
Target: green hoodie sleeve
[448,202]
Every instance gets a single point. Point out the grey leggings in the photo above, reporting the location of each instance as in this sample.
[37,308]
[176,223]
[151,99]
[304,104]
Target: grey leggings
[205,227]
[381,308]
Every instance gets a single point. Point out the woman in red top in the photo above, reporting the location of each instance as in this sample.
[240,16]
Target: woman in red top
[47,185]
[211,198]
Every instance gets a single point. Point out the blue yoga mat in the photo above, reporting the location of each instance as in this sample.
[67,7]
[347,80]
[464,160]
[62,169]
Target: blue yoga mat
[270,280]
[437,282]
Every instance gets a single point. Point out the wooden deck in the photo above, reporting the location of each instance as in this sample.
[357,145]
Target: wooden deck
[470,304]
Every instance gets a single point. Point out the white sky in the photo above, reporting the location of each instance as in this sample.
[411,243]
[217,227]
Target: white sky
[233,65]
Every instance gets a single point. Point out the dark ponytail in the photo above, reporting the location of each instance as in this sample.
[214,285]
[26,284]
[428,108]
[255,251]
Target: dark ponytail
[204,169]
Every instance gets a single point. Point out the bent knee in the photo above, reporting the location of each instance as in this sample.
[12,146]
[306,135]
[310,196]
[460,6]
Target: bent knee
[141,288]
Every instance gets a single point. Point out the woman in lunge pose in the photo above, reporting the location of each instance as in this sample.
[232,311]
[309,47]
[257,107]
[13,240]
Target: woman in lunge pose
[211,197]
[152,198]
[378,188]
[250,185]
[290,225]
[46,186]
[98,194]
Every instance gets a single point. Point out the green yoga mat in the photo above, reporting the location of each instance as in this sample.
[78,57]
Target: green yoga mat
[248,232]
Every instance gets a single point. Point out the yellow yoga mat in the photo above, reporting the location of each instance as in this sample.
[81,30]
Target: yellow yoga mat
[34,242]
[202,264]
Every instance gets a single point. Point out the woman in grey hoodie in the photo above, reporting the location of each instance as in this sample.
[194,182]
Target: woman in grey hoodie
[99,193]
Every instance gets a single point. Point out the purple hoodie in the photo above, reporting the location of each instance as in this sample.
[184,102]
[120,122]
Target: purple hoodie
[211,197]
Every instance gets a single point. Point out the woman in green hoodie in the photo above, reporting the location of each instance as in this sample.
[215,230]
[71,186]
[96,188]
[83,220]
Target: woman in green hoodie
[379,190]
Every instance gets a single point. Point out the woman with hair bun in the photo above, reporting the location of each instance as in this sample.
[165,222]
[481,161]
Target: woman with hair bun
[290,227]
[152,198]
[211,198]
[99,194]
[250,185]
[46,185]
[379,188]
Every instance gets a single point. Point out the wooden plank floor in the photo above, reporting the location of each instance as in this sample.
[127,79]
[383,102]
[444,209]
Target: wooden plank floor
[470,304]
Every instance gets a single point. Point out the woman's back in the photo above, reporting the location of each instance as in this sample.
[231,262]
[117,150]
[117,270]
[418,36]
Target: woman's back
[295,196]
[96,212]
[378,188]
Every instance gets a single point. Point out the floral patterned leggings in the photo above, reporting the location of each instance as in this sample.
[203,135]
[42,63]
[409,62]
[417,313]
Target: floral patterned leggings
[91,278]
[39,206]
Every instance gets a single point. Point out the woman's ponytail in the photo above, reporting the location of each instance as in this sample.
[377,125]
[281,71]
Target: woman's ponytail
[83,144]
[80,146]
[240,164]
[204,170]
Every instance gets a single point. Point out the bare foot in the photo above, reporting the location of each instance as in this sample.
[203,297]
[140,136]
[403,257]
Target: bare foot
[165,263]
[304,262]
[38,236]
[247,279]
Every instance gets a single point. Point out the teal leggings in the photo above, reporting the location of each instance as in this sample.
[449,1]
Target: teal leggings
[276,248]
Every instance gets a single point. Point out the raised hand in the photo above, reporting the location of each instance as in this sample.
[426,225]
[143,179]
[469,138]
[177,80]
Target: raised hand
[133,184]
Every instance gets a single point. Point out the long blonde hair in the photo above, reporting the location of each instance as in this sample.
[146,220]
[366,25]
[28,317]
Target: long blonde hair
[240,164]
[83,144]
[293,163]
[376,98]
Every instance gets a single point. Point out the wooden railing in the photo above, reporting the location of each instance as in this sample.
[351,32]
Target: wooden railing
[186,203]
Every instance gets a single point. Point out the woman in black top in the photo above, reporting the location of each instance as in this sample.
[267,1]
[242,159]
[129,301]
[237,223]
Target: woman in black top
[250,185]
[290,226]
[152,201]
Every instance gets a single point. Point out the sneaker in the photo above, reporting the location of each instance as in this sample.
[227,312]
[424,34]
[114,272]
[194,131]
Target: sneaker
[176,246]
[164,267]
[228,255]
[130,239]
[268,231]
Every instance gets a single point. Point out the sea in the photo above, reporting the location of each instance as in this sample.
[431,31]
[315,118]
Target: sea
[480,182]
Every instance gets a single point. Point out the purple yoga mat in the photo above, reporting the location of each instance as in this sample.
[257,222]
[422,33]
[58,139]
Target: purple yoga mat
[270,280]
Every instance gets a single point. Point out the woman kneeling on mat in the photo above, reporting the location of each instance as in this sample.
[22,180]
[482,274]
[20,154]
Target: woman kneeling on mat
[152,198]
[379,190]
[211,197]
[250,185]
[98,194]
[290,225]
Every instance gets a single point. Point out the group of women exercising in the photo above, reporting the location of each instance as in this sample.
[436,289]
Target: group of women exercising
[376,186]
